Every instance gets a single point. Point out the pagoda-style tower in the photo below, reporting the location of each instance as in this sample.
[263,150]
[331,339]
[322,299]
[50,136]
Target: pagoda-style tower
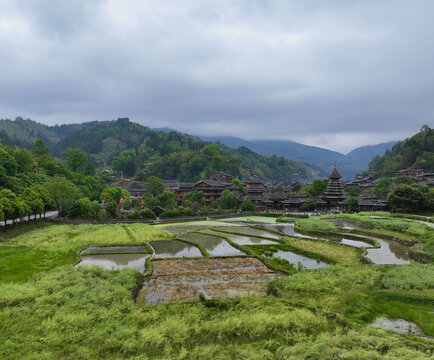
[334,192]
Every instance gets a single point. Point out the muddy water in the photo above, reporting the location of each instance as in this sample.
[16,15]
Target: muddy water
[115,261]
[248,240]
[249,231]
[292,258]
[214,245]
[389,253]
[400,326]
[174,248]
[288,229]
[114,249]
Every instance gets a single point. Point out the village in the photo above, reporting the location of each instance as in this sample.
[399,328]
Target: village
[285,196]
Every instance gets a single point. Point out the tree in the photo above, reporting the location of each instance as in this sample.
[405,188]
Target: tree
[45,196]
[112,210]
[8,162]
[228,200]
[354,191]
[76,159]
[39,148]
[34,203]
[80,208]
[125,162]
[114,194]
[353,204]
[140,175]
[166,199]
[11,206]
[248,205]
[319,187]
[240,186]
[382,188]
[309,205]
[154,186]
[406,198]
[63,192]
[194,199]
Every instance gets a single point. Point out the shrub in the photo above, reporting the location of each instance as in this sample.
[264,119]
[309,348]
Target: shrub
[169,213]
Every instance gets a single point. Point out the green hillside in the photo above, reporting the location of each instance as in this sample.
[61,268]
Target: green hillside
[415,152]
[131,147]
[24,133]
[134,148]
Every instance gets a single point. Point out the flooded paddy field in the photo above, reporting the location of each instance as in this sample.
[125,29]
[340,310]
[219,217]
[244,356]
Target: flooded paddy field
[287,229]
[115,261]
[389,253]
[244,240]
[115,249]
[245,230]
[295,259]
[174,249]
[356,243]
[182,228]
[216,246]
[177,280]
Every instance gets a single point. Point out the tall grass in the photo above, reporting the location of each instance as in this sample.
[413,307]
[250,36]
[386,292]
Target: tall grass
[315,225]
[409,277]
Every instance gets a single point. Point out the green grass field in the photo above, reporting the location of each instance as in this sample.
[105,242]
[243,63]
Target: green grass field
[52,310]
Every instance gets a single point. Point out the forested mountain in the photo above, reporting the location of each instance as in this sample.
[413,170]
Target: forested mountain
[354,162]
[134,148]
[414,152]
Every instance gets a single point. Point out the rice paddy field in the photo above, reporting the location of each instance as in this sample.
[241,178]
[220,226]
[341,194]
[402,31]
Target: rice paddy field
[224,299]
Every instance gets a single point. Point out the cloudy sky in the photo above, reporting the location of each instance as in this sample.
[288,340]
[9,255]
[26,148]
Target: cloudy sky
[331,73]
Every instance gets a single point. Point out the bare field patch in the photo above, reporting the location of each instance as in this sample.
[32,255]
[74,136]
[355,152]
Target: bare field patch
[185,279]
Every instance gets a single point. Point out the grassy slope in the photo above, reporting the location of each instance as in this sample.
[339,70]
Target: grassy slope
[89,313]
[58,245]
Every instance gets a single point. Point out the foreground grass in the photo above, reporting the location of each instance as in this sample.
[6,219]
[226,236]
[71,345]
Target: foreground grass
[52,246]
[89,313]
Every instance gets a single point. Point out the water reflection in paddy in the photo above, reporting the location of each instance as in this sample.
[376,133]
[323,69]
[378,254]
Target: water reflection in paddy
[114,249]
[360,244]
[215,246]
[390,252]
[174,248]
[292,258]
[249,231]
[115,261]
[248,240]
[287,229]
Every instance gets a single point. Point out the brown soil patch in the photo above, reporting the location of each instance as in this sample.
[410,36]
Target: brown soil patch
[185,279]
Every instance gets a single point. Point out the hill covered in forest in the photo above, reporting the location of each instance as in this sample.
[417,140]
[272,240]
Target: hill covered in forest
[356,161]
[414,152]
[139,150]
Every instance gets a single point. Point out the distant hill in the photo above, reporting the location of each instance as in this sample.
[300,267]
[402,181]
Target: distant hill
[166,154]
[414,152]
[364,154]
[321,159]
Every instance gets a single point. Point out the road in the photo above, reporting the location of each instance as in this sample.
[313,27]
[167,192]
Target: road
[47,215]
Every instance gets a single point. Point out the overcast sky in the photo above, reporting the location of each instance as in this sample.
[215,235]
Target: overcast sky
[331,73]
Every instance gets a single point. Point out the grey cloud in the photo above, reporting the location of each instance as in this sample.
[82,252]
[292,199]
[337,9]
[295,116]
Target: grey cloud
[301,70]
